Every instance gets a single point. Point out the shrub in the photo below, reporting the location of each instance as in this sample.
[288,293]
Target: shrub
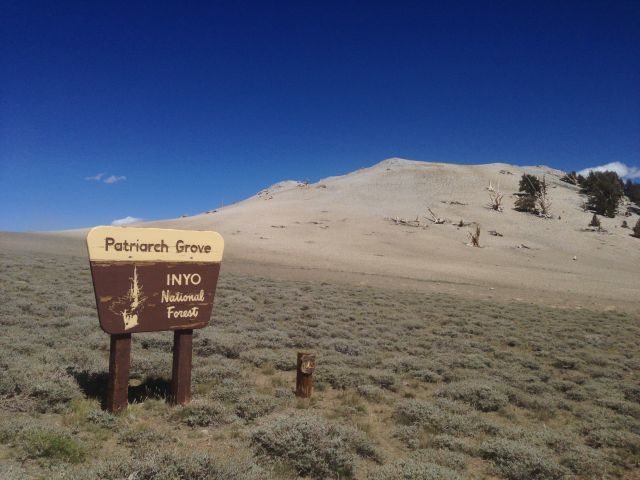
[340,377]
[443,457]
[346,348]
[411,435]
[451,443]
[51,444]
[10,430]
[229,390]
[11,472]
[202,414]
[253,406]
[604,191]
[385,380]
[520,461]
[405,364]
[205,373]
[173,465]
[312,445]
[564,362]
[621,406]
[88,415]
[54,394]
[225,346]
[595,221]
[472,361]
[102,419]
[585,461]
[427,376]
[414,470]
[632,393]
[140,435]
[636,229]
[483,396]
[544,405]
[610,437]
[436,417]
[371,392]
[577,394]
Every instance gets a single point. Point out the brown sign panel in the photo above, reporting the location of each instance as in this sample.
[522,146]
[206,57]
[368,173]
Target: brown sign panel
[148,280]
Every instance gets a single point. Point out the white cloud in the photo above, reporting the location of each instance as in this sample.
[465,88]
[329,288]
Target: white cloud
[114,178]
[102,177]
[95,178]
[620,168]
[126,220]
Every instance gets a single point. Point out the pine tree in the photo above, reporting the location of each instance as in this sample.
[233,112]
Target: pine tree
[632,190]
[534,196]
[530,184]
[604,191]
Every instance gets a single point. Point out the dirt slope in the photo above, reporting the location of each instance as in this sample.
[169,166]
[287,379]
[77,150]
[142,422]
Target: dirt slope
[340,228]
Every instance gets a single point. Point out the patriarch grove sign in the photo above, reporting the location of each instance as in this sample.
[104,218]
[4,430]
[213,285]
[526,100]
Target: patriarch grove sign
[150,279]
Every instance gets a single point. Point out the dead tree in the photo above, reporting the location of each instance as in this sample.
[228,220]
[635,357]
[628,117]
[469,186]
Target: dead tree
[542,201]
[496,200]
[475,236]
[409,223]
[434,218]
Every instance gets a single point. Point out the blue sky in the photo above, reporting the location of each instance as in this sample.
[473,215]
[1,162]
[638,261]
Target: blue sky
[186,106]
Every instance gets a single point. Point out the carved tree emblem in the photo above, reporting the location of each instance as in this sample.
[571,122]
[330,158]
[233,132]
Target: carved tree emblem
[308,364]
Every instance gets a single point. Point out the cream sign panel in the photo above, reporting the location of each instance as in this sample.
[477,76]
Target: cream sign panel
[153,279]
[154,244]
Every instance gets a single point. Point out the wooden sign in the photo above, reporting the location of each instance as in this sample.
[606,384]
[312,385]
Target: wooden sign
[304,374]
[150,279]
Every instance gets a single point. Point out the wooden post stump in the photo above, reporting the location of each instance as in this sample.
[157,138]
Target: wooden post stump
[118,384]
[181,375]
[304,377]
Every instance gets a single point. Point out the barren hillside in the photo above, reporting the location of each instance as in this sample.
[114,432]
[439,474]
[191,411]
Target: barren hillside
[342,228]
[344,224]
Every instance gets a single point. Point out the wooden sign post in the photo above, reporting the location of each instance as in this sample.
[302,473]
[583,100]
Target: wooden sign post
[304,374]
[149,280]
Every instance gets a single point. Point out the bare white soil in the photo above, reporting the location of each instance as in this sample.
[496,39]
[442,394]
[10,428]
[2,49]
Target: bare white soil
[341,229]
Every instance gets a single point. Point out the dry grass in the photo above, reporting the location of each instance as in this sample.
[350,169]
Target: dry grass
[407,384]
